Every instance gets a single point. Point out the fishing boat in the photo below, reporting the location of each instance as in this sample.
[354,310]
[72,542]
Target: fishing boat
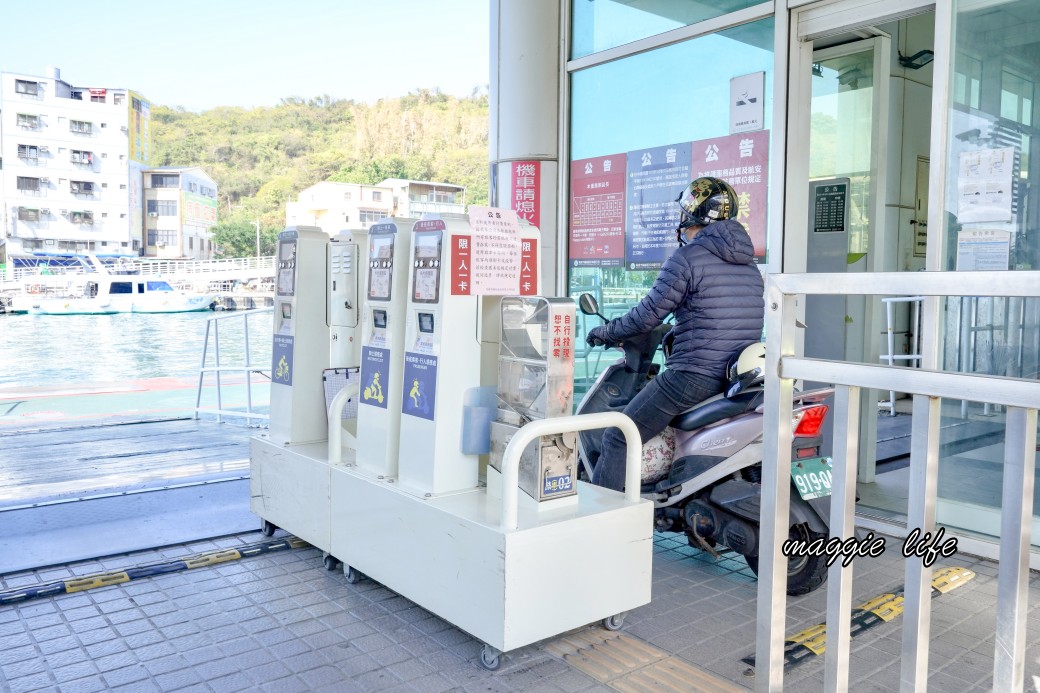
[102,290]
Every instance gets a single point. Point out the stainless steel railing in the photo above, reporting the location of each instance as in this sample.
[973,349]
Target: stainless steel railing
[928,386]
[249,368]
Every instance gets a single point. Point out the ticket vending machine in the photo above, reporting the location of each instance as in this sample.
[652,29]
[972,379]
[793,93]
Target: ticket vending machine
[300,347]
[457,549]
[382,337]
[345,297]
[441,362]
[289,471]
[451,346]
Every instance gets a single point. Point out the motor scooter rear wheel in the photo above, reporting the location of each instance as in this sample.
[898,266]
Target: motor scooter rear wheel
[804,573]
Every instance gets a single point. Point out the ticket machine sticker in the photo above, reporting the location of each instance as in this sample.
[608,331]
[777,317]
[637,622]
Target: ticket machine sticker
[282,359]
[557,484]
[375,374]
[420,385]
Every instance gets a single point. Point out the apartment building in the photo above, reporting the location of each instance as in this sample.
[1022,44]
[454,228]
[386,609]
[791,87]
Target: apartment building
[180,206]
[71,161]
[336,206]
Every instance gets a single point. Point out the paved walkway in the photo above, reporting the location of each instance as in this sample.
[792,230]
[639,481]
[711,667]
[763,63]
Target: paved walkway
[281,622]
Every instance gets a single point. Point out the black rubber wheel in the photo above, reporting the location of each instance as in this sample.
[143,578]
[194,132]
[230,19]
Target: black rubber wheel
[804,573]
[353,576]
[614,622]
[267,529]
[487,661]
[330,561]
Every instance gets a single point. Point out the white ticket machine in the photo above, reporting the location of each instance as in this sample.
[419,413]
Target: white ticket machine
[346,279]
[300,347]
[441,362]
[451,329]
[382,346]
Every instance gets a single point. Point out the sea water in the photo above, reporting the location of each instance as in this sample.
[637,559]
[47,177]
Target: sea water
[45,350]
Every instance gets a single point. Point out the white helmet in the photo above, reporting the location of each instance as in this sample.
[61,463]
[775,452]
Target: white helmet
[746,368]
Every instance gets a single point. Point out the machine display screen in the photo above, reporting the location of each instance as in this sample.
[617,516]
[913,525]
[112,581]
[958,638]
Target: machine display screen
[379,318]
[426,322]
[287,311]
[286,268]
[426,280]
[380,266]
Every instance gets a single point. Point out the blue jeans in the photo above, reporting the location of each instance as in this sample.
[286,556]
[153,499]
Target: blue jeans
[666,396]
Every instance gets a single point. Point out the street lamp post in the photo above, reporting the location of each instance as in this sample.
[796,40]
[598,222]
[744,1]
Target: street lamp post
[257,225]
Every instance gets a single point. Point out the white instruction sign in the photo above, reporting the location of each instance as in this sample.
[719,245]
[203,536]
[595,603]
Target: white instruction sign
[983,249]
[495,255]
[747,102]
[985,185]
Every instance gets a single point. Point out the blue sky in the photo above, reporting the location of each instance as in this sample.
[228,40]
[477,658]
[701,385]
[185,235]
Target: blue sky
[252,53]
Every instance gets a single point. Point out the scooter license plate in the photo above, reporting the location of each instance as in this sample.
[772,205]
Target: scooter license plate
[812,477]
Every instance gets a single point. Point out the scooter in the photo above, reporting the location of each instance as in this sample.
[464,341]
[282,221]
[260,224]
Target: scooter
[704,472]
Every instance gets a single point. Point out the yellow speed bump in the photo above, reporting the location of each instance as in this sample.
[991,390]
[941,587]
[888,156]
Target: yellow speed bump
[880,609]
[92,581]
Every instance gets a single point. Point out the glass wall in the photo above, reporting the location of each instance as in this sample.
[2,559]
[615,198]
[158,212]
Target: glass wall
[992,222]
[641,128]
[601,24]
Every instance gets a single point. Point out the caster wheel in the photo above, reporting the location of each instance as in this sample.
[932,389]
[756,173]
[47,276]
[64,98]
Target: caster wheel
[614,622]
[267,529]
[330,562]
[490,658]
[353,576]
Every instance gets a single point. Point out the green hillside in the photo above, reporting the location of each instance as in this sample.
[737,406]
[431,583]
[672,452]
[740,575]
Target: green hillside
[261,157]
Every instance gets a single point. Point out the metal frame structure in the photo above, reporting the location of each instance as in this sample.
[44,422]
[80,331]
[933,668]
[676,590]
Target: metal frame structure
[914,355]
[248,368]
[928,387]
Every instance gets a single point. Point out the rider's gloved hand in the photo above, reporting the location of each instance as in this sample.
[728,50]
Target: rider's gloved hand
[597,336]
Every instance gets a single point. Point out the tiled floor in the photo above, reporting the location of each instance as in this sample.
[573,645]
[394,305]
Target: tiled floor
[280,622]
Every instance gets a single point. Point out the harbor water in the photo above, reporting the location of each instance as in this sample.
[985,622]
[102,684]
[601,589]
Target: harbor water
[73,366]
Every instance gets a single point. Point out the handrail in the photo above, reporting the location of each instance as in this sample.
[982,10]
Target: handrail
[351,389]
[566,424]
[914,357]
[928,387]
[248,368]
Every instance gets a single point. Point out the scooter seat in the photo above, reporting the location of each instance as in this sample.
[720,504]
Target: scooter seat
[717,409]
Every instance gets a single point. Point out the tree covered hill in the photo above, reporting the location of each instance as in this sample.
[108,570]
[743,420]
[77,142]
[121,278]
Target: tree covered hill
[262,157]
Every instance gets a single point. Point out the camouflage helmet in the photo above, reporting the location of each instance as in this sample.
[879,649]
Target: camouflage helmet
[705,201]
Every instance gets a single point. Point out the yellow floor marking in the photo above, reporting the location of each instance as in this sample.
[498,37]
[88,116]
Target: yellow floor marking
[630,665]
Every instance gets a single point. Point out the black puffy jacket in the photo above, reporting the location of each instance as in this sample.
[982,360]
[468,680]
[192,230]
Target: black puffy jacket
[716,293]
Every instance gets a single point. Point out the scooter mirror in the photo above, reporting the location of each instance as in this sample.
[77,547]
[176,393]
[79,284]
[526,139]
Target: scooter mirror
[588,304]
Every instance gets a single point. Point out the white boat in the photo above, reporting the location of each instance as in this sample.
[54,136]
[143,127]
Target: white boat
[102,291]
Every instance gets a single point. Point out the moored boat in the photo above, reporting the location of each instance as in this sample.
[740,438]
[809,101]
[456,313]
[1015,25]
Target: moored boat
[103,291]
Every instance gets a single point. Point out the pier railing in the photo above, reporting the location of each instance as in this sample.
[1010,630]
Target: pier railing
[234,267]
[249,368]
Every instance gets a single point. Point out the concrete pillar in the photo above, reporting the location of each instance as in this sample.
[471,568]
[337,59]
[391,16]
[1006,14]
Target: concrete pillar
[524,122]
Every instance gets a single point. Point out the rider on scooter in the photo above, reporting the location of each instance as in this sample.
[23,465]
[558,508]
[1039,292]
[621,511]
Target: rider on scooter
[715,290]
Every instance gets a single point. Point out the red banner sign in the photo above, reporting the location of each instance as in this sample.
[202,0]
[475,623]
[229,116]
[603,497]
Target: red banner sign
[526,199]
[528,267]
[461,262]
[597,223]
[742,160]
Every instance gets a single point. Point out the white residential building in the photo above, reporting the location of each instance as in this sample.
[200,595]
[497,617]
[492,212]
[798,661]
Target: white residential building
[414,198]
[71,159]
[180,206]
[337,206]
